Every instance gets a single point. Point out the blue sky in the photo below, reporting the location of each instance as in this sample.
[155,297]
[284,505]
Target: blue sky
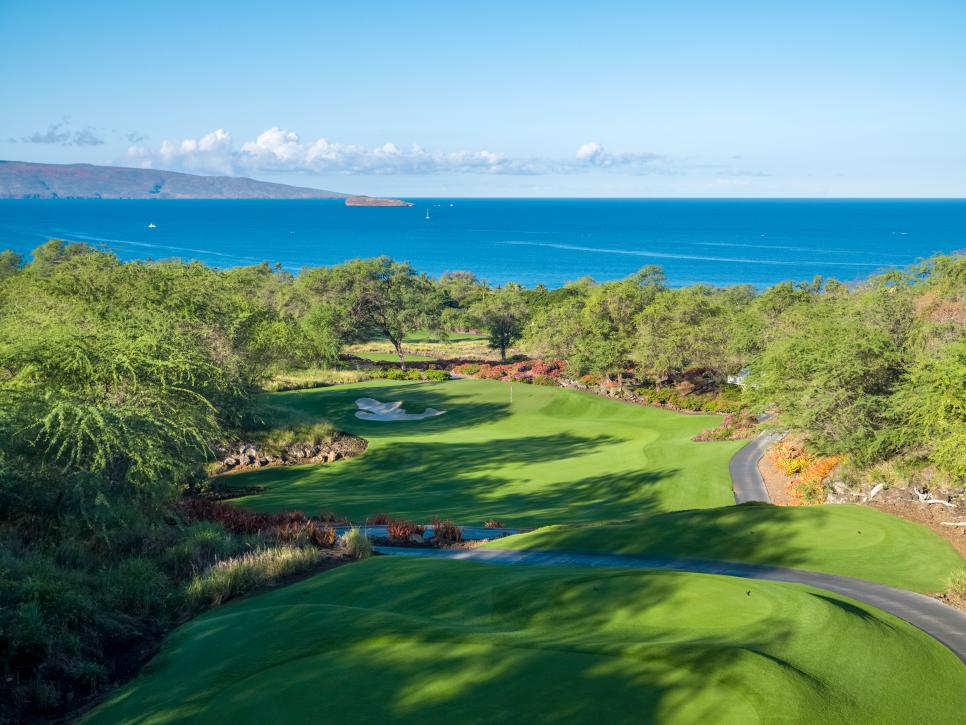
[671,98]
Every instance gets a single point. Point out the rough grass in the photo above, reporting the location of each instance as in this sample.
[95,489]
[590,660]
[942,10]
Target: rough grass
[276,427]
[314,378]
[553,455]
[242,574]
[427,640]
[836,539]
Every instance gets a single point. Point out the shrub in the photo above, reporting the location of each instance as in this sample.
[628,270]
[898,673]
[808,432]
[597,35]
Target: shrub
[394,374]
[356,544]
[956,585]
[493,524]
[136,587]
[543,380]
[201,546]
[327,516]
[306,532]
[469,369]
[233,518]
[379,519]
[242,574]
[402,531]
[809,487]
[436,376]
[789,458]
[414,375]
[446,532]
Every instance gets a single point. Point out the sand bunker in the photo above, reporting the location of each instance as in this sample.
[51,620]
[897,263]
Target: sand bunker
[370,409]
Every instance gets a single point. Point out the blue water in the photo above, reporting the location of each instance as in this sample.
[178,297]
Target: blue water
[720,242]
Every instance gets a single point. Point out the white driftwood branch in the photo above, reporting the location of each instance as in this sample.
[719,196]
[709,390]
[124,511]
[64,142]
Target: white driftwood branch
[952,523]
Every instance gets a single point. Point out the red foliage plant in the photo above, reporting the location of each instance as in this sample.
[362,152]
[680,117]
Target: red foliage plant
[446,532]
[235,519]
[379,519]
[404,530]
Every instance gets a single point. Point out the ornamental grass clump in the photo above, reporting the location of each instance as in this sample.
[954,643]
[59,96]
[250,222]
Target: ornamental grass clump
[356,544]
[243,574]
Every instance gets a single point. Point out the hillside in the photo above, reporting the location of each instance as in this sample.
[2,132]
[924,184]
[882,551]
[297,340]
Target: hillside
[24,180]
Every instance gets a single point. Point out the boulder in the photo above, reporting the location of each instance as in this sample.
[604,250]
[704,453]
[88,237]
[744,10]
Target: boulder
[230,462]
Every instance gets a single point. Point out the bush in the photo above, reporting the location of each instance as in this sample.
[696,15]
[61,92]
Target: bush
[789,458]
[956,585]
[136,587]
[493,524]
[809,488]
[394,374]
[446,532]
[304,533]
[403,531]
[356,544]
[436,376]
[242,574]
[379,519]
[543,380]
[470,369]
[201,546]
[414,374]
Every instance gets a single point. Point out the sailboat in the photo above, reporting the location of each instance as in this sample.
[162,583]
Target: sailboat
[427,215]
[152,225]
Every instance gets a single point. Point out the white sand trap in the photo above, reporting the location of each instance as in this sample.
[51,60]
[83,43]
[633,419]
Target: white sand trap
[370,409]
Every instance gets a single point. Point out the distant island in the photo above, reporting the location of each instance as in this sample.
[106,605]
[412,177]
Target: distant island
[26,180]
[373,201]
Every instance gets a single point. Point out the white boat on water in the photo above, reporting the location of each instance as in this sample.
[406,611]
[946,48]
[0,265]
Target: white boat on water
[152,226]
[427,215]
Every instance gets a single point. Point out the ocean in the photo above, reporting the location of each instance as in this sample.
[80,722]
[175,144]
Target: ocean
[530,241]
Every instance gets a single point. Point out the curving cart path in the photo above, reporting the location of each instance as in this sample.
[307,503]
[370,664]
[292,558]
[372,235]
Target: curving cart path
[944,623]
[746,480]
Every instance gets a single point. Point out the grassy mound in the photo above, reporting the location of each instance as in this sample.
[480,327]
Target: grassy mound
[423,641]
[835,539]
[551,456]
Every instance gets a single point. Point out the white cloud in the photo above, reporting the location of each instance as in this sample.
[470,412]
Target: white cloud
[594,154]
[278,149]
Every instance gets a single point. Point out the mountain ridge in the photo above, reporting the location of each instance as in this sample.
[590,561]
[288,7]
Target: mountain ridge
[29,180]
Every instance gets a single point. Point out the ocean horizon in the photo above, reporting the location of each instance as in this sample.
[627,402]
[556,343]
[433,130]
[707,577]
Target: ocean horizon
[532,241]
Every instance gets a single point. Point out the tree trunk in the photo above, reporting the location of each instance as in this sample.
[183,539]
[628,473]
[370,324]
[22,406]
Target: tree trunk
[503,353]
[399,351]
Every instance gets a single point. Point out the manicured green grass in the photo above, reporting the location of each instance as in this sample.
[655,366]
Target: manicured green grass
[551,456]
[445,641]
[836,539]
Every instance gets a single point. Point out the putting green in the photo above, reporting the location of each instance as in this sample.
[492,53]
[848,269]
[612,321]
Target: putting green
[429,640]
[550,456]
[836,539]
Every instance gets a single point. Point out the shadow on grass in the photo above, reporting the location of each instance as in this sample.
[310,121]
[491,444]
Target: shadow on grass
[467,482]
[411,641]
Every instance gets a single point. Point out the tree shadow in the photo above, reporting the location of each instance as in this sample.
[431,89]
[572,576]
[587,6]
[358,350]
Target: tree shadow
[467,482]
[414,640]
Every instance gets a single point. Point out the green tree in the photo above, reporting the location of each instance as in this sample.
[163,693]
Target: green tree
[502,314]
[378,297]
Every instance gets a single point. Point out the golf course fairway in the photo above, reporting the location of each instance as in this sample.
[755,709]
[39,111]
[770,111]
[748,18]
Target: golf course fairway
[409,640]
[843,539]
[549,456]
